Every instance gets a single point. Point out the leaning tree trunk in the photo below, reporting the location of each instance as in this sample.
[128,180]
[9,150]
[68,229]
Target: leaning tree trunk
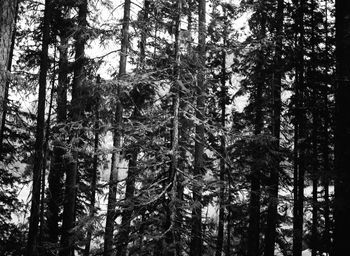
[196,231]
[272,214]
[342,124]
[32,242]
[8,14]
[68,222]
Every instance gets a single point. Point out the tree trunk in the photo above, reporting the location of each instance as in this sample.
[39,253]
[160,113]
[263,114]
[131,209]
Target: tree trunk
[220,236]
[300,134]
[342,124]
[196,231]
[255,194]
[315,122]
[58,165]
[8,14]
[32,242]
[121,246]
[46,149]
[272,214]
[113,181]
[77,108]
[93,179]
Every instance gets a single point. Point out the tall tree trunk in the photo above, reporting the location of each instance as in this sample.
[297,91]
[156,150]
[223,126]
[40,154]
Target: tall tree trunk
[8,14]
[272,214]
[314,138]
[124,237]
[255,194]
[342,124]
[58,165]
[196,231]
[32,242]
[124,232]
[173,228]
[325,146]
[77,108]
[220,236]
[300,134]
[46,149]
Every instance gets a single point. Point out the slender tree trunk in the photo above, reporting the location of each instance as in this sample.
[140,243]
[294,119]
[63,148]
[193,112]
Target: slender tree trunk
[255,194]
[325,148]
[8,14]
[300,135]
[68,222]
[342,124]
[32,242]
[46,148]
[174,234]
[113,181]
[314,138]
[220,236]
[93,179]
[196,231]
[123,236]
[272,214]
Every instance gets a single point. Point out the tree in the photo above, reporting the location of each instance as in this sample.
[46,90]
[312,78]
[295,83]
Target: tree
[196,231]
[77,108]
[32,242]
[270,234]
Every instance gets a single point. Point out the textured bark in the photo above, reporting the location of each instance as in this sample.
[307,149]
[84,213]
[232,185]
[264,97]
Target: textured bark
[342,135]
[8,16]
[255,193]
[272,214]
[77,108]
[32,242]
[300,134]
[196,231]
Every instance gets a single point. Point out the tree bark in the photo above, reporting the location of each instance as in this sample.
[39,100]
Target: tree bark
[77,108]
[196,231]
[8,14]
[342,126]
[32,242]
